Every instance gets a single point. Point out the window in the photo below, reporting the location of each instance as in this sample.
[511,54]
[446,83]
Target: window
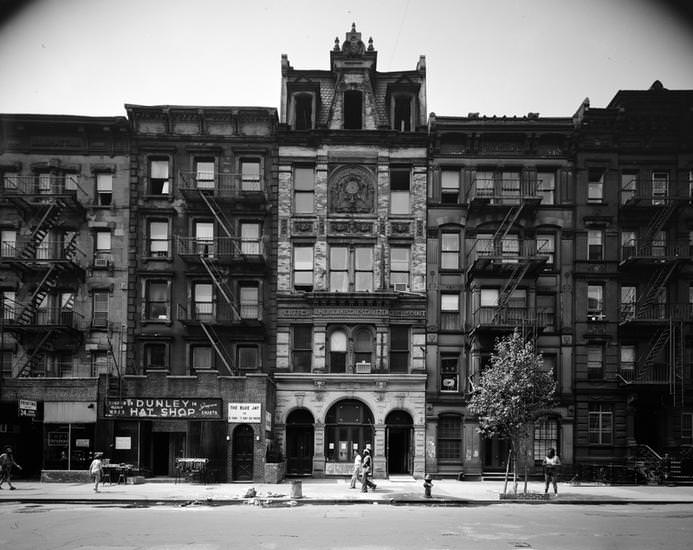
[510,249]
[489,298]
[595,303]
[304,190]
[595,362]
[203,301]
[399,190]
[158,245]
[104,189]
[100,309]
[659,244]
[201,358]
[250,239]
[399,349]
[155,356]
[483,184]
[338,350]
[9,305]
[629,186]
[248,357]
[690,187]
[204,173]
[545,437]
[402,114]
[546,246]
[600,424]
[450,251]
[353,110]
[303,112]
[595,186]
[449,437]
[595,245]
[302,348]
[351,269]
[8,243]
[510,190]
[449,311]
[250,175]
[449,186]
[629,297]
[204,238]
[303,268]
[102,248]
[156,300]
[627,366]
[546,310]
[660,187]
[449,373]
[6,361]
[687,428]
[546,187]
[399,268]
[10,180]
[159,182]
[363,351]
[99,363]
[250,301]
[629,243]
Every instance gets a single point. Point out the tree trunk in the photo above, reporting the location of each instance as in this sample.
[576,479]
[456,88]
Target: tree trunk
[507,470]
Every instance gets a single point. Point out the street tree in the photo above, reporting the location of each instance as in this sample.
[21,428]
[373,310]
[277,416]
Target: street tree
[511,393]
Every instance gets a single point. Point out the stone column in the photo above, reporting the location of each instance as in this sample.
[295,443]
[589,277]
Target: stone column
[378,452]
[319,450]
[419,450]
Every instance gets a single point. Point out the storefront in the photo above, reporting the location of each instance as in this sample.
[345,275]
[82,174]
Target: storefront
[68,435]
[152,432]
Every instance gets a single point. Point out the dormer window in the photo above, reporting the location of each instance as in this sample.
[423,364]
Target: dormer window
[353,110]
[402,113]
[303,112]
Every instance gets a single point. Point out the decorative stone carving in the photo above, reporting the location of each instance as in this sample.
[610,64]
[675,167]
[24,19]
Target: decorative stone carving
[303,227]
[400,228]
[351,190]
[351,227]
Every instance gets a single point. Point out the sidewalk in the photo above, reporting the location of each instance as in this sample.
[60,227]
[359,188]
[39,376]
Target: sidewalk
[335,491]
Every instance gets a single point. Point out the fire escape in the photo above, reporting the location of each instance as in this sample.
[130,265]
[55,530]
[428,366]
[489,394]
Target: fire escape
[217,258]
[647,313]
[48,264]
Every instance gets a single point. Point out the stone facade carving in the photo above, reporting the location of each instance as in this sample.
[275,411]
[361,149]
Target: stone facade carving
[351,190]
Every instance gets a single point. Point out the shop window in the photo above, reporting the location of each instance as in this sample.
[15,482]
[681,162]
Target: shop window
[545,437]
[399,190]
[449,435]
[204,173]
[595,303]
[304,190]
[449,373]
[303,112]
[450,250]
[595,187]
[250,239]
[155,356]
[301,348]
[303,268]
[156,300]
[99,317]
[546,187]
[353,110]
[251,175]
[8,243]
[348,428]
[399,349]
[159,179]
[600,424]
[201,358]
[449,311]
[157,239]
[399,268]
[595,362]
[402,113]
[248,357]
[104,189]
[449,186]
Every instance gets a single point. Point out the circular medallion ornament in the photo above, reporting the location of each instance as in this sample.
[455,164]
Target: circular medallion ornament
[351,189]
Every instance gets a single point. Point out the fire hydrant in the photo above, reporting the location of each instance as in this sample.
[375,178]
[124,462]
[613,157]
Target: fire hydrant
[428,483]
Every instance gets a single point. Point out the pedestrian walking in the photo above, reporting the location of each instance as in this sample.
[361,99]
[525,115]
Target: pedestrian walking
[366,468]
[357,469]
[551,464]
[96,470]
[6,464]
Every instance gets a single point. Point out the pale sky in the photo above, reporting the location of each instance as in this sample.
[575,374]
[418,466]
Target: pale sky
[495,57]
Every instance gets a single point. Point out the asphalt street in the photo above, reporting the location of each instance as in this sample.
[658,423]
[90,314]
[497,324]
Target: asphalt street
[350,527]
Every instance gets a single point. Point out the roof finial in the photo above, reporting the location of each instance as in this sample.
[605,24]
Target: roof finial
[370,44]
[336,43]
[353,27]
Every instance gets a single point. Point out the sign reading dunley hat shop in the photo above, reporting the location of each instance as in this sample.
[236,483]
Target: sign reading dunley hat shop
[145,407]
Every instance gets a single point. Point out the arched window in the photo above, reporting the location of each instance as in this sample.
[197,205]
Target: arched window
[348,428]
[338,351]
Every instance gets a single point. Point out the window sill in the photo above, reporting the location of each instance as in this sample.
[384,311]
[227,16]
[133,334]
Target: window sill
[166,322]
[157,259]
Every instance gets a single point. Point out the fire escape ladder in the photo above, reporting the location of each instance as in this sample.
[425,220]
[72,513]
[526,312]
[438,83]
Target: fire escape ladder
[45,286]
[46,223]
[218,279]
[508,222]
[115,383]
[658,221]
[34,358]
[218,347]
[657,282]
[518,273]
[655,346]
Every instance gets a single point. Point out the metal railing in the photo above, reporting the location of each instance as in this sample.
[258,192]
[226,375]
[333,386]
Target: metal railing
[632,312]
[27,314]
[221,248]
[655,251]
[511,316]
[46,251]
[503,192]
[220,185]
[507,251]
[43,184]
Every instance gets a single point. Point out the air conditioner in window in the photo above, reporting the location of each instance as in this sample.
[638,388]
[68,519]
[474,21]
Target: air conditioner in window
[596,317]
[400,287]
[362,368]
[102,261]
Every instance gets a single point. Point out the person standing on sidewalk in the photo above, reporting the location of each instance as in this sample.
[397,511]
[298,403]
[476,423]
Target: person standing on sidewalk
[6,464]
[551,464]
[366,467]
[357,469]
[96,470]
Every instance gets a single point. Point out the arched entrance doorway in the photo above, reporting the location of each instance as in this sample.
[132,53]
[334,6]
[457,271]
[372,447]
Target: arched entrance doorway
[243,443]
[398,443]
[348,428]
[299,443]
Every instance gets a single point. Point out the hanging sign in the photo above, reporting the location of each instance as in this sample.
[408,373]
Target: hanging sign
[194,407]
[27,407]
[250,413]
